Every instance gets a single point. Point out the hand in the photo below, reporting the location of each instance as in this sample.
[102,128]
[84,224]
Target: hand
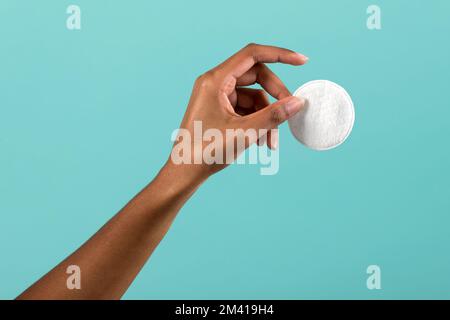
[220,102]
[112,258]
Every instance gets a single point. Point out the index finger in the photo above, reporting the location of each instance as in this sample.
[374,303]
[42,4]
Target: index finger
[252,54]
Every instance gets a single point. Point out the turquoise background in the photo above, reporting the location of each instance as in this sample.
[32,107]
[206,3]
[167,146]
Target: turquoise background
[86,118]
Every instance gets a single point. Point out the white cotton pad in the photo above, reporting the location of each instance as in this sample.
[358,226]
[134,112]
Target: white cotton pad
[327,118]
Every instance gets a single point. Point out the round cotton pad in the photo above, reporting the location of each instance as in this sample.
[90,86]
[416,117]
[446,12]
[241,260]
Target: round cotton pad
[327,118]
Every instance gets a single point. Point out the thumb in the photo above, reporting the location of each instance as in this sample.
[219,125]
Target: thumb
[275,114]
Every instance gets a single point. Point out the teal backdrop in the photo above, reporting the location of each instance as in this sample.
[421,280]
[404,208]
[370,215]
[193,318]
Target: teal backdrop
[86,118]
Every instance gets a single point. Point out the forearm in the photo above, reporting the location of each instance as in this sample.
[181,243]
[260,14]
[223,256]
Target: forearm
[112,258]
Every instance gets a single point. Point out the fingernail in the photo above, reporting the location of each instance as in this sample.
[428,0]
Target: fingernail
[294,105]
[305,58]
[274,139]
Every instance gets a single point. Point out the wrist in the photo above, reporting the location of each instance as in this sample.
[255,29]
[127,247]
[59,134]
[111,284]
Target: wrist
[183,176]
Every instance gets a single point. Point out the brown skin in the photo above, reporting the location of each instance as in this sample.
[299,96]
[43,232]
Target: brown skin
[112,258]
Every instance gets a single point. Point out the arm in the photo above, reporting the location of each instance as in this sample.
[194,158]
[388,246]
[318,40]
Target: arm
[113,257]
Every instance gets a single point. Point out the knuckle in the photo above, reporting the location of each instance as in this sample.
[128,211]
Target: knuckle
[205,80]
[277,115]
[199,79]
[251,46]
